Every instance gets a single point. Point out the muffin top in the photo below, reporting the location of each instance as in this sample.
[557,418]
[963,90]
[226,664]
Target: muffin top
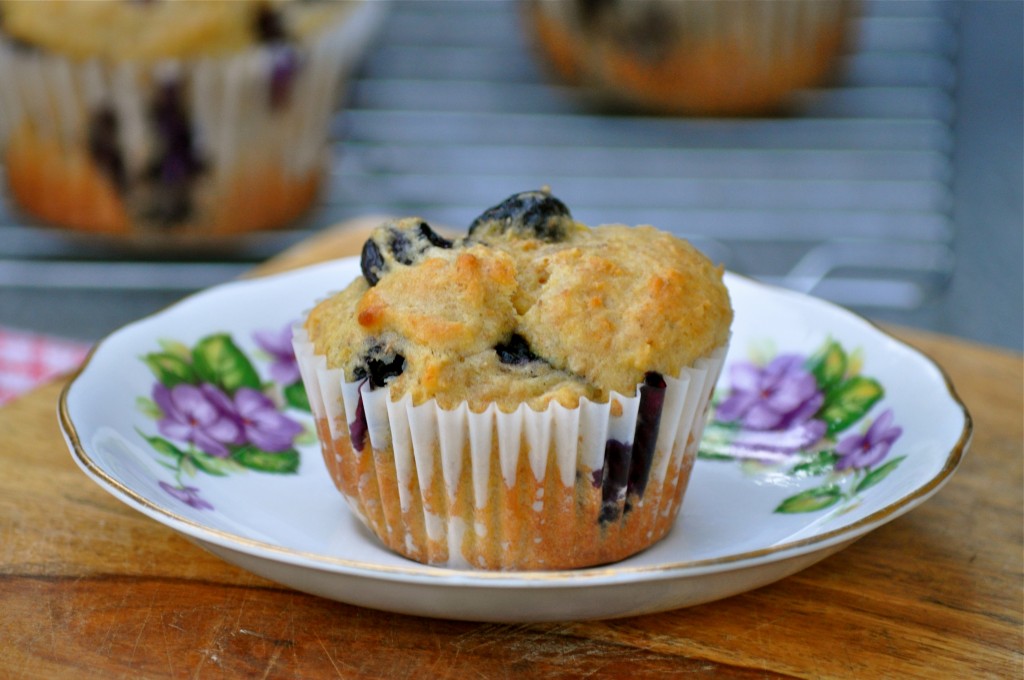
[160,29]
[530,306]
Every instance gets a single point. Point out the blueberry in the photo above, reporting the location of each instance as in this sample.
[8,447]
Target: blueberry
[627,467]
[268,25]
[379,365]
[104,147]
[516,351]
[371,262]
[530,214]
[167,112]
[614,478]
[402,248]
[432,237]
[359,429]
[404,242]
[269,28]
[648,422]
[23,46]
[284,67]
[175,166]
[379,370]
[383,370]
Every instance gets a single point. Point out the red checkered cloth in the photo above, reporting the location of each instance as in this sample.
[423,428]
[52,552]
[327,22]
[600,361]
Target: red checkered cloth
[30,359]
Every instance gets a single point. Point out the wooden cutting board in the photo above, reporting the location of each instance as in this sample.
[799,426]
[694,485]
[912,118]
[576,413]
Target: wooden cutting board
[91,588]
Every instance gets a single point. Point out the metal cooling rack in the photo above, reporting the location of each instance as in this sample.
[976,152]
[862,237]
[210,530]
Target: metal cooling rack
[850,200]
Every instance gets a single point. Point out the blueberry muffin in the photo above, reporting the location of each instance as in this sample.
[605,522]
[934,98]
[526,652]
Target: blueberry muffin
[527,396]
[169,120]
[700,57]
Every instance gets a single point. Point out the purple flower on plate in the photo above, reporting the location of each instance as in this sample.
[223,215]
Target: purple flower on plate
[778,396]
[262,424]
[278,344]
[197,415]
[284,69]
[768,444]
[188,495]
[865,450]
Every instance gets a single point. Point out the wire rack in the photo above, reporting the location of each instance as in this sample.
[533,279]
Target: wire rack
[450,112]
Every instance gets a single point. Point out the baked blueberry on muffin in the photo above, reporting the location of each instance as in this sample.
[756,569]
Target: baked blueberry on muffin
[527,396]
[168,119]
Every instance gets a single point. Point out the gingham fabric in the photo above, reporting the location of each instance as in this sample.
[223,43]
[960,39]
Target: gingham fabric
[30,359]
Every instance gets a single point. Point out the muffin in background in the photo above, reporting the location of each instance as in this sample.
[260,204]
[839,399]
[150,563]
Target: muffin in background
[691,57]
[172,121]
[529,396]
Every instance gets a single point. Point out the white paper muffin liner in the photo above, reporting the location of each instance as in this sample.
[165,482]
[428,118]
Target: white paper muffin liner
[226,98]
[453,471]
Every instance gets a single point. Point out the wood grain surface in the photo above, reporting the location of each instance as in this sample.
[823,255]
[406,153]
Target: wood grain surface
[92,589]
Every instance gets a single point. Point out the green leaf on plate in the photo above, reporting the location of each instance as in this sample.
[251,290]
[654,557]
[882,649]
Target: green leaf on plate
[285,462]
[878,474]
[175,347]
[148,407]
[811,500]
[164,447]
[188,466]
[828,365]
[212,465]
[822,462]
[855,362]
[170,369]
[306,438]
[710,455]
[724,428]
[849,402]
[219,361]
[296,397]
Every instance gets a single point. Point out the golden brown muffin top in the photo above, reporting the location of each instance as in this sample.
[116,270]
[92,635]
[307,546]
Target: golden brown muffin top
[531,306]
[159,29]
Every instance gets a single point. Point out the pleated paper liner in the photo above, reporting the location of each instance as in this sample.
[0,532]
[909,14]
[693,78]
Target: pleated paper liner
[175,150]
[554,489]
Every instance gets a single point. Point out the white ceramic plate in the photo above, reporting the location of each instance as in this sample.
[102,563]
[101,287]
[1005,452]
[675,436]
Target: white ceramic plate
[754,513]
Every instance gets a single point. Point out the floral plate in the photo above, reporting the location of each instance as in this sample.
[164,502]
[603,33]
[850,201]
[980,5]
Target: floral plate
[823,428]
